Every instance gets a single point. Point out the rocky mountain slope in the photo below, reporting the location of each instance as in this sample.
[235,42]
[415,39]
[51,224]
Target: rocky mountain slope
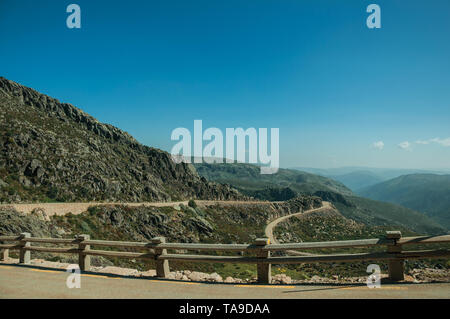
[214,223]
[53,151]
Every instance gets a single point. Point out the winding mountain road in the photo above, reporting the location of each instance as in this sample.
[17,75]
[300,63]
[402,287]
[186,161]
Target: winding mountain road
[78,208]
[269,228]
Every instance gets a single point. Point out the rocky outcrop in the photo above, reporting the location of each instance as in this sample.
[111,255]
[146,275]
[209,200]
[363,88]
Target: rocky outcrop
[334,198]
[14,223]
[295,205]
[54,151]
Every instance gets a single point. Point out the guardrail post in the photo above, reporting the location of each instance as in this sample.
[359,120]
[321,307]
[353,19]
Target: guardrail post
[4,254]
[84,261]
[264,270]
[162,266]
[24,255]
[395,266]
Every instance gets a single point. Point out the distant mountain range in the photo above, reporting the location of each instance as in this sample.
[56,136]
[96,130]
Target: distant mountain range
[357,178]
[427,193]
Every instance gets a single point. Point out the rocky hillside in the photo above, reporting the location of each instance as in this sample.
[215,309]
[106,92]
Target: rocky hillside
[218,223]
[330,225]
[53,151]
[212,223]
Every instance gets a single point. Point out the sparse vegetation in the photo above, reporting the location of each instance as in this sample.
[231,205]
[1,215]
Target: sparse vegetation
[331,226]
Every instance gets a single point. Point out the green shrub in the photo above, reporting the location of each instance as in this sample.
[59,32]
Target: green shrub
[52,193]
[192,203]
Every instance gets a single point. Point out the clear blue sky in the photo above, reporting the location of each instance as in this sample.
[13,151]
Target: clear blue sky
[311,68]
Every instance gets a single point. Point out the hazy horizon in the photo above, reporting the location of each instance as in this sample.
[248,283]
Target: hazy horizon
[363,168]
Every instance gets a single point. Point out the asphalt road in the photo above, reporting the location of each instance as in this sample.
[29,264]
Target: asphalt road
[78,208]
[18,281]
[270,227]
